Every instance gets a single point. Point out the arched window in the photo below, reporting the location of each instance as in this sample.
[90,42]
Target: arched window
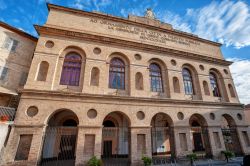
[231,90]
[94,76]
[214,85]
[71,70]
[43,71]
[155,78]
[188,81]
[117,74]
[176,85]
[138,81]
[206,89]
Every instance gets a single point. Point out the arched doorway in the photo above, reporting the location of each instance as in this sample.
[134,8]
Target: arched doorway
[60,139]
[200,135]
[162,138]
[230,135]
[116,139]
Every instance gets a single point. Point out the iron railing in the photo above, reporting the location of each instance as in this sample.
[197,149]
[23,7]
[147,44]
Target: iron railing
[59,146]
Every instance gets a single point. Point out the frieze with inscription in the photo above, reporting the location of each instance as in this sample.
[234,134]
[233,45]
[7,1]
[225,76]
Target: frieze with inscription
[145,34]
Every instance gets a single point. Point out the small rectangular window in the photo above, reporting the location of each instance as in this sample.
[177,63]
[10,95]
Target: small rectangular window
[23,148]
[4,74]
[10,44]
[14,45]
[23,79]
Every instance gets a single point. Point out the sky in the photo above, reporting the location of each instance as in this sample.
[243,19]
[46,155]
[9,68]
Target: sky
[224,21]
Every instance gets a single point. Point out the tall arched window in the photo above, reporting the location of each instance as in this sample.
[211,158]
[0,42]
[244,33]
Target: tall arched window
[155,78]
[71,69]
[188,81]
[214,85]
[117,74]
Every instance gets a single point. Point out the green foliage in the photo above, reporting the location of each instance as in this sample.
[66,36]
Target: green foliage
[146,160]
[192,156]
[228,154]
[94,161]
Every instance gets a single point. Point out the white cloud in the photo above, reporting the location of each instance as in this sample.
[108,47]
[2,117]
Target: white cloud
[175,20]
[223,21]
[2,5]
[93,4]
[241,74]
[227,21]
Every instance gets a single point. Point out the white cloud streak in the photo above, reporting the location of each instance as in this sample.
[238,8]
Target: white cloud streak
[227,22]
[241,74]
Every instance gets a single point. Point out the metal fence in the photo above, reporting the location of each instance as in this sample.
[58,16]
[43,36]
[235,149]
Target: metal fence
[7,114]
[115,146]
[59,146]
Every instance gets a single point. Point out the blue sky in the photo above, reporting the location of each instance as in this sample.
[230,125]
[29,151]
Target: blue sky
[224,21]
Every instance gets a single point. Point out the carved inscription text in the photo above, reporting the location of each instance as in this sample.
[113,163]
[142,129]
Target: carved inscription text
[145,34]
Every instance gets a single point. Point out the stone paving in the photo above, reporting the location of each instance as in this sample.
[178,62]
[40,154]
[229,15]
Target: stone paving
[233,162]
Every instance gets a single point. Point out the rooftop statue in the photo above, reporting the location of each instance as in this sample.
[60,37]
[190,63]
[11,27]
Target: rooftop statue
[149,13]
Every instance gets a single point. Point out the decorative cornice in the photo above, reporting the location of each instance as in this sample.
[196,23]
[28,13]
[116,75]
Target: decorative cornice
[126,98]
[130,44]
[127,21]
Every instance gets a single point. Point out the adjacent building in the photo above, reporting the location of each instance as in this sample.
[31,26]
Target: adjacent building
[120,89]
[247,113]
[16,53]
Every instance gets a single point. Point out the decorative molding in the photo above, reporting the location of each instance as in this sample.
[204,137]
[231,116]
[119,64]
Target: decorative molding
[127,21]
[63,94]
[45,30]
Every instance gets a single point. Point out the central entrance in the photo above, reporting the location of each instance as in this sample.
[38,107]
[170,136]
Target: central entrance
[116,139]
[200,136]
[162,139]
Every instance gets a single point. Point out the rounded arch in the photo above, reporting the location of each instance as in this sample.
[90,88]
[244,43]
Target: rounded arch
[116,117]
[195,79]
[159,62]
[94,78]
[176,85]
[139,81]
[161,119]
[197,120]
[206,88]
[220,82]
[119,55]
[61,116]
[164,75]
[70,49]
[227,121]
[231,90]
[42,71]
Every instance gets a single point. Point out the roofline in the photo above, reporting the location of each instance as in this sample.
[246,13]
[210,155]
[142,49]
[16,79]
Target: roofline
[124,20]
[18,31]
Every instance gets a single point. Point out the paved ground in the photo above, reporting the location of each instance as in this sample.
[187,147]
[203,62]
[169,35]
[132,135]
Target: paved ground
[233,162]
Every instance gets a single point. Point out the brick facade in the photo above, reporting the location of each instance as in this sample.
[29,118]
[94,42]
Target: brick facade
[98,38]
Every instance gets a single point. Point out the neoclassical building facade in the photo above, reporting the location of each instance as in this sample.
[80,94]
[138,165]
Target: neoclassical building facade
[117,88]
